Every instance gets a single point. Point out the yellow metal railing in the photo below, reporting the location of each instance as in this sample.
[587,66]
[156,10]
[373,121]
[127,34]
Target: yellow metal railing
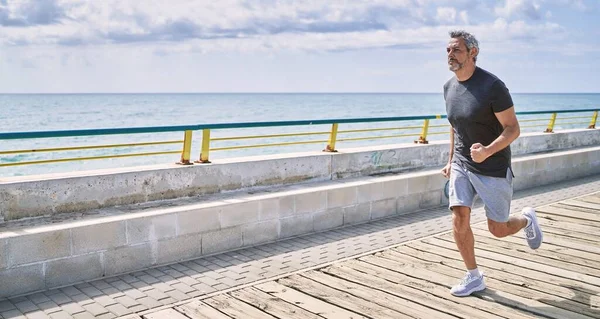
[330,137]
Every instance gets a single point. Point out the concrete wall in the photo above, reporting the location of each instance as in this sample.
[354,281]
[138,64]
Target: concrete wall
[62,193]
[36,258]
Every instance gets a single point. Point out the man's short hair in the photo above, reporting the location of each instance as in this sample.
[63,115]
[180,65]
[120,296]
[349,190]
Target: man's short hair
[470,40]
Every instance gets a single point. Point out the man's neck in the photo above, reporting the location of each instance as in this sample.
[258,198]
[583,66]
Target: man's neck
[465,72]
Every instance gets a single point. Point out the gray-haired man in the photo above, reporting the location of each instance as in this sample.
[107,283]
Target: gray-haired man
[481,113]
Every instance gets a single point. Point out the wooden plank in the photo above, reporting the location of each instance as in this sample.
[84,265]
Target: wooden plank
[235,308]
[436,288]
[577,209]
[577,206]
[517,276]
[402,305]
[567,223]
[591,259]
[571,230]
[165,314]
[579,203]
[572,213]
[200,310]
[551,233]
[590,199]
[428,271]
[534,274]
[272,305]
[549,269]
[314,305]
[340,298]
[423,297]
[542,258]
[506,293]
[545,254]
[559,218]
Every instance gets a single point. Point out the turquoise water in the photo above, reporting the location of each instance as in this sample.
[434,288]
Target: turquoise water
[41,112]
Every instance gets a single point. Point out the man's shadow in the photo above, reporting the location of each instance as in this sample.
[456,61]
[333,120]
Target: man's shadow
[578,304]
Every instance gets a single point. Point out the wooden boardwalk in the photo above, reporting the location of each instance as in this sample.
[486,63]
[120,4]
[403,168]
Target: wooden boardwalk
[560,280]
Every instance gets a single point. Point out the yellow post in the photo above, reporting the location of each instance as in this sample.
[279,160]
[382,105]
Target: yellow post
[423,138]
[205,146]
[550,128]
[332,138]
[594,119]
[187,149]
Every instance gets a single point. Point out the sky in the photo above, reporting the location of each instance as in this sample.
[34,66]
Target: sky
[137,46]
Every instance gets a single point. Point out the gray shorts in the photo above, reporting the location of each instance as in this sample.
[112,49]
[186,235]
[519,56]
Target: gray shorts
[496,193]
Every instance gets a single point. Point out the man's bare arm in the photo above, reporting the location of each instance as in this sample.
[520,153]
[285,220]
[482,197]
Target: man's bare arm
[509,122]
[451,152]
[446,169]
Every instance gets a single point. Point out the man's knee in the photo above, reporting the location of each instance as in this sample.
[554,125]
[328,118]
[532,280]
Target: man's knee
[461,218]
[497,229]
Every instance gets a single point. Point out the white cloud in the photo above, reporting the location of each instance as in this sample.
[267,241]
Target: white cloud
[446,15]
[464,17]
[176,26]
[520,8]
[577,4]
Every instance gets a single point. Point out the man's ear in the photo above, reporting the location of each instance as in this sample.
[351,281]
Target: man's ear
[474,52]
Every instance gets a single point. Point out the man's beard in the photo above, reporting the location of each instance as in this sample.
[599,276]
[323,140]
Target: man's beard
[455,66]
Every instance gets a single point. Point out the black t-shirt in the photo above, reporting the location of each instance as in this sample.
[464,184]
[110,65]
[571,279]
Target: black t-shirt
[471,105]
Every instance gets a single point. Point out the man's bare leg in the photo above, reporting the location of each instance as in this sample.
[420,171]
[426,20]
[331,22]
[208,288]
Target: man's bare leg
[511,227]
[463,235]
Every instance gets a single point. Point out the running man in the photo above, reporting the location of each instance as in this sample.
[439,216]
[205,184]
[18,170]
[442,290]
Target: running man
[482,115]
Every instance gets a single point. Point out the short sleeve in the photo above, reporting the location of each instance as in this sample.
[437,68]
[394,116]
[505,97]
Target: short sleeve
[500,97]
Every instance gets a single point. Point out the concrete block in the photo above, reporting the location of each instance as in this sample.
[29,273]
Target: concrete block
[21,280]
[371,160]
[524,168]
[417,184]
[408,204]
[328,219]
[435,182]
[74,269]
[222,240]
[239,214]
[373,191]
[269,208]
[521,182]
[3,254]
[99,237]
[179,248]
[430,199]
[283,169]
[383,208]
[128,258]
[38,247]
[77,191]
[296,225]
[558,162]
[357,214]
[540,164]
[310,202]
[261,232]
[395,188]
[274,208]
[152,228]
[198,220]
[341,197]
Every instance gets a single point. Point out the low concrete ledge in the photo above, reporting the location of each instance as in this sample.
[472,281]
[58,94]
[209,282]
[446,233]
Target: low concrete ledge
[35,196]
[47,256]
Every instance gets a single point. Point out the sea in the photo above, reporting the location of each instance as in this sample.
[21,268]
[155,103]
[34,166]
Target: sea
[50,112]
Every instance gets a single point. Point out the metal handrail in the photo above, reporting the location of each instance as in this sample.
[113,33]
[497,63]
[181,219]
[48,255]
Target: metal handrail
[206,132]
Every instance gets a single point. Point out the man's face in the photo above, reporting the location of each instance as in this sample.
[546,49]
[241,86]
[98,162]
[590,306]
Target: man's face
[458,54]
